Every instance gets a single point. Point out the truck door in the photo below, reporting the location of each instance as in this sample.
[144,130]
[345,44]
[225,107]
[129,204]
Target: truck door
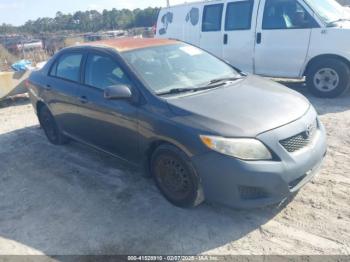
[239,33]
[282,37]
[211,33]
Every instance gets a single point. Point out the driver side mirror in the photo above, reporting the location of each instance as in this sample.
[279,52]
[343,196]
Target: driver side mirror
[117,92]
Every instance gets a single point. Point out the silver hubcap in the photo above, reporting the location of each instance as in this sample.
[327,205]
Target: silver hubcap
[326,79]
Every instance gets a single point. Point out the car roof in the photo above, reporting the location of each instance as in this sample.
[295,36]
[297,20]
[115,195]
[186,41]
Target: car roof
[128,44]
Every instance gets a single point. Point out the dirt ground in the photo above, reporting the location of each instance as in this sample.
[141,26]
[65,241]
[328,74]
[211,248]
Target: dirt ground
[74,200]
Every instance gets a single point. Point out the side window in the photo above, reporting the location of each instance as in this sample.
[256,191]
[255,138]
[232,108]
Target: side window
[239,15]
[68,67]
[286,14]
[103,71]
[212,17]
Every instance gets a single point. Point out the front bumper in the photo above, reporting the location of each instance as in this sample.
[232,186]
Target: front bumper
[250,184]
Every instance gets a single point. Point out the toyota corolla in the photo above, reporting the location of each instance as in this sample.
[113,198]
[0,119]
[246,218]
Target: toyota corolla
[201,128]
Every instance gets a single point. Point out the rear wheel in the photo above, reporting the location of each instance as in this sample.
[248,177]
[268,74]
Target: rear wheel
[328,78]
[175,177]
[48,123]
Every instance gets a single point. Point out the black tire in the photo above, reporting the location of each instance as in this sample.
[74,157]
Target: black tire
[328,78]
[48,123]
[175,177]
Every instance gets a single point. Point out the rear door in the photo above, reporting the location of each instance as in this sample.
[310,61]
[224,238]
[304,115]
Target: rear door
[211,33]
[110,125]
[239,33]
[283,35]
[61,91]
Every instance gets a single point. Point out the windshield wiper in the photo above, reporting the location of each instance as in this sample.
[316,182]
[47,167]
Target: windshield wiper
[175,91]
[336,21]
[212,84]
[224,79]
[192,89]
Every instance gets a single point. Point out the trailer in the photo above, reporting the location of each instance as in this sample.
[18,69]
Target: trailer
[12,83]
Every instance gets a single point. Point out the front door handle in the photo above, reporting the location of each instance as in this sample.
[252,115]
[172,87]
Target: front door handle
[47,87]
[83,99]
[258,38]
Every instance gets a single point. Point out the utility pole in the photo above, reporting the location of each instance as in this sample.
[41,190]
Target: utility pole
[167,3]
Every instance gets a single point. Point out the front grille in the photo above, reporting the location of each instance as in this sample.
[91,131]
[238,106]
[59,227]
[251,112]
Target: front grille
[295,143]
[300,141]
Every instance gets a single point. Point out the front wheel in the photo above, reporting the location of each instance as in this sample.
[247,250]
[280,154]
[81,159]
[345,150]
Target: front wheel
[175,177]
[328,78]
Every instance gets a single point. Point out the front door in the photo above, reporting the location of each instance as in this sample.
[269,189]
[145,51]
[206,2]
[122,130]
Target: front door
[110,125]
[282,37]
[211,33]
[239,34]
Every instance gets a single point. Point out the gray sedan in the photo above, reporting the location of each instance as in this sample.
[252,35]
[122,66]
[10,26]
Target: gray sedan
[201,128]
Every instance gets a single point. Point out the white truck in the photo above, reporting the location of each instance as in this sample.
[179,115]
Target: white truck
[274,38]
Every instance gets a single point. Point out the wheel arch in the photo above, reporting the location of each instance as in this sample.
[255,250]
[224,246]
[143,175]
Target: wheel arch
[39,105]
[152,147]
[323,57]
[199,196]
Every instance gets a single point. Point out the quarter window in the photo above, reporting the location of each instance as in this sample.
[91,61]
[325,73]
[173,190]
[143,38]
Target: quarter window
[212,17]
[68,67]
[286,14]
[103,72]
[239,15]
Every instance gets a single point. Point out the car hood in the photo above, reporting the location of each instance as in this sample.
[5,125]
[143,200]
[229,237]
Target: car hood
[245,108]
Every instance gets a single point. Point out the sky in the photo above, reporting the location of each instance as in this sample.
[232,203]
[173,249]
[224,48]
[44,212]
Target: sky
[17,12]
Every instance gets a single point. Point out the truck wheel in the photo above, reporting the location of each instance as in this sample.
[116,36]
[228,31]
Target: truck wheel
[175,177]
[48,123]
[328,78]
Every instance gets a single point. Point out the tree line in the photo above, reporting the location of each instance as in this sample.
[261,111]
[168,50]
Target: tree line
[88,21]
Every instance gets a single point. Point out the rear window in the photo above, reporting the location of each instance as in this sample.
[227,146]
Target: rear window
[239,15]
[68,67]
[212,17]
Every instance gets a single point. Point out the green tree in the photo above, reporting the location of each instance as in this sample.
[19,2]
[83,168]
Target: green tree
[87,21]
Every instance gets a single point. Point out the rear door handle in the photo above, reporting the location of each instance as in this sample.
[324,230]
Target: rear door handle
[258,38]
[83,99]
[47,87]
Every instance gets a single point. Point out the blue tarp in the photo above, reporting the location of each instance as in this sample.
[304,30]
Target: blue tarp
[21,65]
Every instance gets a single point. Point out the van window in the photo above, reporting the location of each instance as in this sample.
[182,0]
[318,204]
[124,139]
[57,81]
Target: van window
[103,72]
[328,10]
[286,14]
[212,17]
[239,15]
[68,67]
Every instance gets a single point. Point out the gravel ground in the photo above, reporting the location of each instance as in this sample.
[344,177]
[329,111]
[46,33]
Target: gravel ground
[74,200]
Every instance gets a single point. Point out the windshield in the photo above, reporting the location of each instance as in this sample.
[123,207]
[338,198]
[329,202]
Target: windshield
[328,10]
[178,66]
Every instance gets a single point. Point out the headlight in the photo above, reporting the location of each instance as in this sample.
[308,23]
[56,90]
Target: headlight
[242,148]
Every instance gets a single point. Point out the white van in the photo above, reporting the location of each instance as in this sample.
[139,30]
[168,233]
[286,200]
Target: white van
[274,38]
